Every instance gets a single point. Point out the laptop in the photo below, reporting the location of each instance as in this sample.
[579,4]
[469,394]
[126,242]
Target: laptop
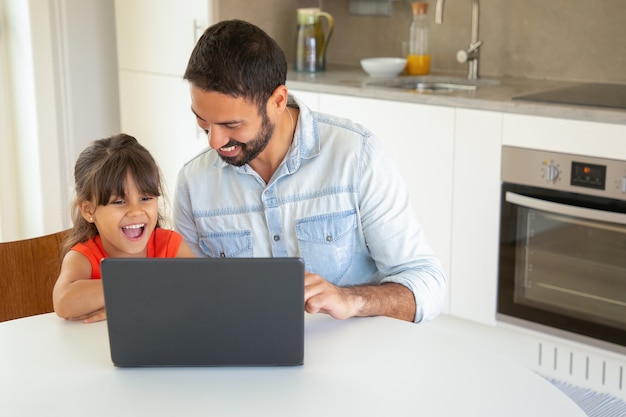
[204,312]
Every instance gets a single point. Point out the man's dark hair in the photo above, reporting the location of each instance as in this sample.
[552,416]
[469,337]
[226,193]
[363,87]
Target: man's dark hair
[238,59]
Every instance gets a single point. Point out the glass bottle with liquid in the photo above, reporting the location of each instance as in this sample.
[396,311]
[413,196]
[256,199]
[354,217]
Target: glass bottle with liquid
[418,57]
[312,40]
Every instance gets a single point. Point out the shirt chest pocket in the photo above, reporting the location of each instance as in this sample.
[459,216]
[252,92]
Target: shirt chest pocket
[236,244]
[326,243]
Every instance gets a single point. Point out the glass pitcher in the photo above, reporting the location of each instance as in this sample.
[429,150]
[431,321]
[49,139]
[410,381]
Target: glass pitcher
[311,40]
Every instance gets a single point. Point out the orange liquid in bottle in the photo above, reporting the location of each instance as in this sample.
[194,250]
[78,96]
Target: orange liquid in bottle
[418,64]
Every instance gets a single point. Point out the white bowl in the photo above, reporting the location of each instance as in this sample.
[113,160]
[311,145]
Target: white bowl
[383,67]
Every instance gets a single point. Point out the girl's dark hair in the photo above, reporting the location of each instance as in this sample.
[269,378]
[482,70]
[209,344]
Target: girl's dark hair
[101,171]
[238,59]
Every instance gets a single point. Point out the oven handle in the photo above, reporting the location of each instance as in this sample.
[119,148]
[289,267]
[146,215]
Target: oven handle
[574,211]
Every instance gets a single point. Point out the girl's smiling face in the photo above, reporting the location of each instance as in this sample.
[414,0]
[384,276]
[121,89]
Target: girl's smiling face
[126,222]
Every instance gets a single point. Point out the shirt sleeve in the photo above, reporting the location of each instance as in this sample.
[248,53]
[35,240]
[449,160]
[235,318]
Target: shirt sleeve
[394,236]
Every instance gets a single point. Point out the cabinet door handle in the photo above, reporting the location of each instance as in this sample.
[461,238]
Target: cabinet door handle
[197,28]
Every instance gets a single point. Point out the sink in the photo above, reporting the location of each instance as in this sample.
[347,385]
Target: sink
[433,87]
[431,84]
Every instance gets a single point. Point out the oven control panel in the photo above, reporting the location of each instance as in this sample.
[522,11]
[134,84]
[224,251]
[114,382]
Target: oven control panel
[588,175]
[564,172]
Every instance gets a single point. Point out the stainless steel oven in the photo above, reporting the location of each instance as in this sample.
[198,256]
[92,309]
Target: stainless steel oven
[562,260]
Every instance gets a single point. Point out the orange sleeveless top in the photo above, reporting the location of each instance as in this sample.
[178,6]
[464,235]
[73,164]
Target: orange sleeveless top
[162,244]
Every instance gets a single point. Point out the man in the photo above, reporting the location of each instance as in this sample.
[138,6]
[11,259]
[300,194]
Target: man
[280,180]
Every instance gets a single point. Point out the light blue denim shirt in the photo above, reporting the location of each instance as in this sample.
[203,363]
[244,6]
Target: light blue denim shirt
[337,201]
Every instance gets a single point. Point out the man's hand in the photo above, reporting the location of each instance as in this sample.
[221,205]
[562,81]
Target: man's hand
[320,296]
[389,299]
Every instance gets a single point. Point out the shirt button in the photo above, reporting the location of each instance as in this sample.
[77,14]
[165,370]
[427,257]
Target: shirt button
[329,238]
[276,238]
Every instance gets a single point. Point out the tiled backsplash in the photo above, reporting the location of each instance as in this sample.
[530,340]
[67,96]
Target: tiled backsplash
[569,40]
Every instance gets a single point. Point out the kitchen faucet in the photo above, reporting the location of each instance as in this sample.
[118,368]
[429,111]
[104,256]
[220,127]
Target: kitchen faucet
[471,54]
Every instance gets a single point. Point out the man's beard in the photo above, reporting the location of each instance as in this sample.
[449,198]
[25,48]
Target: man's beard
[253,148]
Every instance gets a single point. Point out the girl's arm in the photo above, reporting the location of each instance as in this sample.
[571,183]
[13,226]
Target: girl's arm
[75,295]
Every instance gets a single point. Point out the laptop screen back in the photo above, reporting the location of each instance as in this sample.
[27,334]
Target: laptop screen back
[204,312]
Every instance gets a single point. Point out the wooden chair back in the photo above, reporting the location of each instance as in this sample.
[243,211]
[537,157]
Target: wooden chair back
[28,270]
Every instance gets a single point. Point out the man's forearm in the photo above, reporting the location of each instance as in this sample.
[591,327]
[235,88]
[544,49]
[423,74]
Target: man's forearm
[389,299]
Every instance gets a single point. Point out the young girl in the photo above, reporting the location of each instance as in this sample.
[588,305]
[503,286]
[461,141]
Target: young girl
[115,214]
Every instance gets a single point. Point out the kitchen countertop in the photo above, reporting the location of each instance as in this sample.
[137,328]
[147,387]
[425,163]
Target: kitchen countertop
[499,97]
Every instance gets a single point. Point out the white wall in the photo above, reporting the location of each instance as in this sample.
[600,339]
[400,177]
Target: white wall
[62,95]
[89,71]
[26,119]
[8,208]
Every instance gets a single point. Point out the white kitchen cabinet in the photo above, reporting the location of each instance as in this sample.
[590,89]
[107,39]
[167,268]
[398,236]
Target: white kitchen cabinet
[420,140]
[601,140]
[475,215]
[154,42]
[310,98]
[158,37]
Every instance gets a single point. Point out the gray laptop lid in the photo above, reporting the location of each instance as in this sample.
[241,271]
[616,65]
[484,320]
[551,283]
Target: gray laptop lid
[204,312]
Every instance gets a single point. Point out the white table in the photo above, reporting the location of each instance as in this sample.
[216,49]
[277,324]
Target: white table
[357,367]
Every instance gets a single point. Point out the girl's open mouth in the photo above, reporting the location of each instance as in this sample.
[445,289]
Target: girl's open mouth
[134,231]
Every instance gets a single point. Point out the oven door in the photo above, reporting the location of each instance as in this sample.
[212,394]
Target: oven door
[562,261]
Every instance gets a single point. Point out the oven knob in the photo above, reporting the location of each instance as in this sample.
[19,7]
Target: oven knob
[552,173]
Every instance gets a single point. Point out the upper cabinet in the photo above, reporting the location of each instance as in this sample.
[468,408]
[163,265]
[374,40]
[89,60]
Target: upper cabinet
[154,42]
[158,37]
